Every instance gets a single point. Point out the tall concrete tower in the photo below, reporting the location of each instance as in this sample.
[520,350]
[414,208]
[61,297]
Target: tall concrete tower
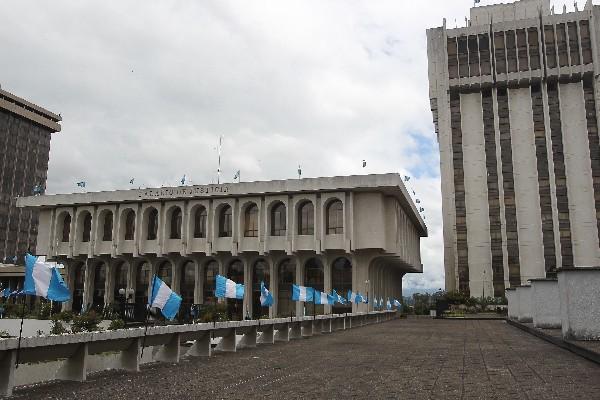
[514,96]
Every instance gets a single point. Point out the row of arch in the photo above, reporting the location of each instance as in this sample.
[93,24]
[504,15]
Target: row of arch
[314,276]
[334,221]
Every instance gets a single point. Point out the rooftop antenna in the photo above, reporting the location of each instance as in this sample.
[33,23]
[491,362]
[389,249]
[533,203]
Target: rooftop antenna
[219,166]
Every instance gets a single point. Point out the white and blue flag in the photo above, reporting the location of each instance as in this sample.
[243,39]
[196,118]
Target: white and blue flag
[337,298]
[389,304]
[5,292]
[352,297]
[302,293]
[359,298]
[266,298]
[44,280]
[375,303]
[397,303]
[366,300]
[228,288]
[323,298]
[164,298]
[381,303]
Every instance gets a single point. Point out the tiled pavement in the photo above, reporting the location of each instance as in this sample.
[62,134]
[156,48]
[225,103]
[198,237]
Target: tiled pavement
[408,359]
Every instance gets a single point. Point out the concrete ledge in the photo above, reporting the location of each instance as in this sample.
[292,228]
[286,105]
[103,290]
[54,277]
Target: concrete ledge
[513,303]
[579,290]
[565,344]
[524,298]
[545,310]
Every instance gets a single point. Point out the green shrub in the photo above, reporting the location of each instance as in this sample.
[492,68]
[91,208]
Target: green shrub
[58,328]
[65,316]
[213,313]
[43,311]
[86,322]
[116,324]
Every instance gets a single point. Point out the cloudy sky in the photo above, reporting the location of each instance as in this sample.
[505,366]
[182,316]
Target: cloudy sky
[146,88]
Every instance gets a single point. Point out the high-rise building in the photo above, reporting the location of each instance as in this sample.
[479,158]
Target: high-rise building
[25,131]
[514,96]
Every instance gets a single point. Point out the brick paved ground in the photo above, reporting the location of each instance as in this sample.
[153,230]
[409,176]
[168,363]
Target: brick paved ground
[408,359]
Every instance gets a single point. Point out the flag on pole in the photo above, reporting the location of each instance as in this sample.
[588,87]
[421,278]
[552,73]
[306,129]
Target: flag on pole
[44,280]
[381,303]
[302,293]
[5,292]
[406,178]
[351,297]
[359,298]
[228,288]
[375,303]
[131,181]
[388,304]
[266,298]
[163,298]
[397,303]
[237,175]
[365,300]
[81,184]
[323,298]
[183,180]
[337,298]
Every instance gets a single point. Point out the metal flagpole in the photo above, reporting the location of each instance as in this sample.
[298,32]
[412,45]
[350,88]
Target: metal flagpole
[219,167]
[147,315]
[20,332]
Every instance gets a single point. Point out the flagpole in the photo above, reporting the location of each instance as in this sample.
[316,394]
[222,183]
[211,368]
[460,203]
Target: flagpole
[147,316]
[20,333]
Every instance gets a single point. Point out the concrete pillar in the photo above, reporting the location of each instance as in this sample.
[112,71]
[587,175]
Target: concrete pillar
[7,377]
[307,328]
[248,338]
[266,335]
[295,330]
[130,357]
[75,367]
[545,309]
[326,325]
[171,351]
[524,296]
[317,326]
[228,342]
[579,290]
[282,333]
[513,303]
[201,346]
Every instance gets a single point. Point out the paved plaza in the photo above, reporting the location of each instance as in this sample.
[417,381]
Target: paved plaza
[408,359]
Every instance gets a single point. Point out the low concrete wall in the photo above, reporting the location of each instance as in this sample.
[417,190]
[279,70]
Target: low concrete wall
[545,311]
[32,326]
[524,296]
[579,290]
[73,356]
[513,303]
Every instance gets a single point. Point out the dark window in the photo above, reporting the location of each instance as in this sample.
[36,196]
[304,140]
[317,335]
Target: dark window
[152,224]
[278,226]
[165,273]
[87,227]
[99,285]
[107,227]
[335,217]
[251,221]
[561,39]
[187,284]
[473,56]
[534,48]
[452,59]
[287,276]
[142,280]
[78,285]
[500,52]
[341,282]
[573,43]
[484,54]
[511,51]
[176,223]
[211,270]
[235,272]
[306,218]
[66,228]
[120,281]
[129,225]
[260,273]
[550,45]
[463,57]
[200,223]
[586,44]
[522,48]
[314,277]
[225,222]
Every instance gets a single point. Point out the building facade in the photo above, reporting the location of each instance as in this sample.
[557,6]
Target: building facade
[357,233]
[514,97]
[25,131]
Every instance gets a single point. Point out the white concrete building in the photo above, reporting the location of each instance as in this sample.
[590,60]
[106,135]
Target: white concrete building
[352,232]
[514,97]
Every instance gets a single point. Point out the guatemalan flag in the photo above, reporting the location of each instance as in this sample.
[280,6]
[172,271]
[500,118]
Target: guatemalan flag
[337,298]
[266,298]
[388,304]
[302,293]
[5,292]
[375,304]
[228,288]
[359,298]
[164,298]
[44,280]
[323,298]
[397,303]
[381,302]
[352,297]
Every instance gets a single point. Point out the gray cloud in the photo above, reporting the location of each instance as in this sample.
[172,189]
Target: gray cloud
[146,88]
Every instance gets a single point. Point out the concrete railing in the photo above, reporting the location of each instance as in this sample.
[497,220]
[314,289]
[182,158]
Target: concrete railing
[165,342]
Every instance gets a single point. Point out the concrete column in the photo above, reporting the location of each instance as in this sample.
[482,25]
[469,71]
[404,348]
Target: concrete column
[307,328]
[266,335]
[545,308]
[524,296]
[295,330]
[248,338]
[171,351]
[326,326]
[75,367]
[513,303]
[228,341]
[201,346]
[317,327]
[327,281]
[7,377]
[579,290]
[130,357]
[282,333]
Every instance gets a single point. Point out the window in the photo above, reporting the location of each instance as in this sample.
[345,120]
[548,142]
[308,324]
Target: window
[286,276]
[251,221]
[87,227]
[235,272]
[341,281]
[314,277]
[142,280]
[200,223]
[278,220]
[66,228]
[120,281]
[99,286]
[152,224]
[306,219]
[165,273]
[188,284]
[129,225]
[260,273]
[107,227]
[225,225]
[176,223]
[335,218]
[210,274]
